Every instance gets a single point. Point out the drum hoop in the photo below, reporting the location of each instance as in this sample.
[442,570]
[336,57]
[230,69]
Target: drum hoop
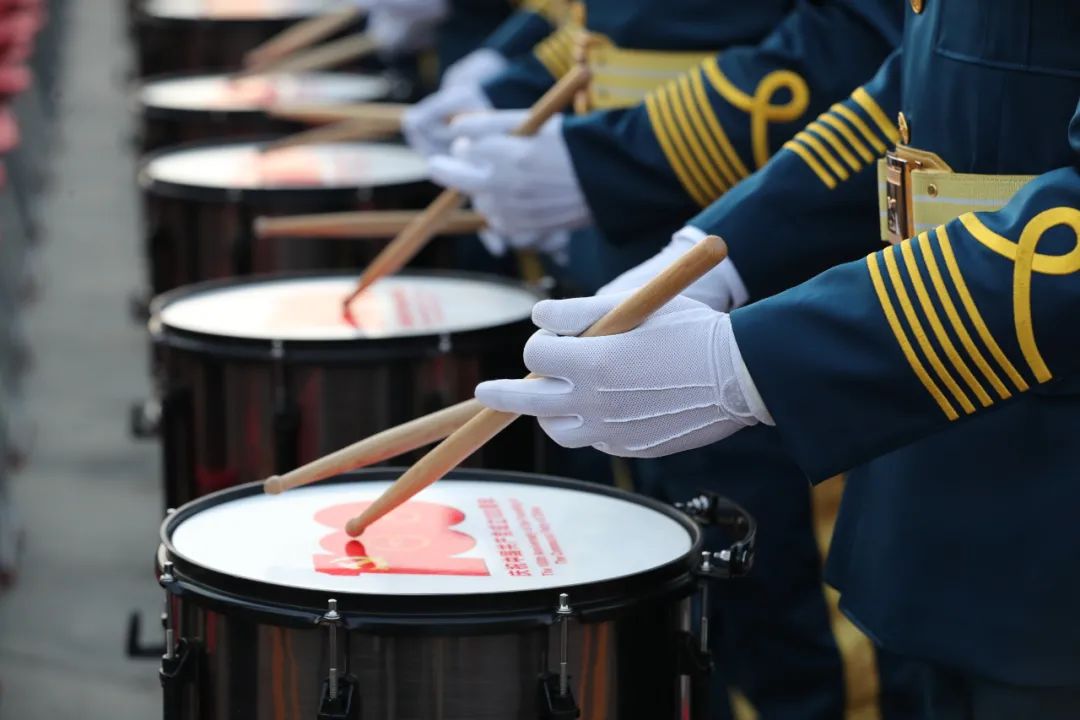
[327,351]
[205,193]
[159,112]
[438,614]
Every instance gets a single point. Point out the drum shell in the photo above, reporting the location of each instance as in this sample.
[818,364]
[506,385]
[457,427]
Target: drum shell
[189,239]
[166,45]
[230,419]
[158,129]
[624,668]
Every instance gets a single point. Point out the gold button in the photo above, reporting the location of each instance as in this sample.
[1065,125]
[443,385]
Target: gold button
[905,130]
[917,6]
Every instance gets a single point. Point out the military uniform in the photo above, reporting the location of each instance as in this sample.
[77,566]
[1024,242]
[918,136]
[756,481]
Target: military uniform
[941,368]
[783,642]
[467,25]
[533,21]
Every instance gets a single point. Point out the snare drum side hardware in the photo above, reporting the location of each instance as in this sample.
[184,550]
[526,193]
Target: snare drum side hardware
[180,656]
[555,697]
[712,509]
[339,699]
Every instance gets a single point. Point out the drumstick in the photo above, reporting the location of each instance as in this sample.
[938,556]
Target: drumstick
[381,446]
[486,424]
[374,112]
[344,131]
[302,35]
[323,57]
[360,224]
[414,237]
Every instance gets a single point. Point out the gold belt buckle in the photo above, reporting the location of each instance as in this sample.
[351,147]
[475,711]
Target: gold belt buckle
[898,196]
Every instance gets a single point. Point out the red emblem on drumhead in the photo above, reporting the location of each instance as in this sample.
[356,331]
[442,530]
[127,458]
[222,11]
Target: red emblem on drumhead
[416,539]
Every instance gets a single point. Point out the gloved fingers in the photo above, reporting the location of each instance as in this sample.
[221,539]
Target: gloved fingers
[542,397]
[482,124]
[493,242]
[459,174]
[574,316]
[567,431]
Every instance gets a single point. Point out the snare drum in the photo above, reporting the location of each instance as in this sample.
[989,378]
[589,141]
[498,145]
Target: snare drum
[201,201]
[451,607]
[198,35]
[260,375]
[182,108]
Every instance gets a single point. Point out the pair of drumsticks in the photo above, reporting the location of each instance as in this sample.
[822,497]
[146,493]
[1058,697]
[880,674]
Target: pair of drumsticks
[467,426]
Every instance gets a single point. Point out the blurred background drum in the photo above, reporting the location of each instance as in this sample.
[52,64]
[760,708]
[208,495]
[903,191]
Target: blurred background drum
[259,375]
[447,608]
[201,201]
[175,109]
[202,35]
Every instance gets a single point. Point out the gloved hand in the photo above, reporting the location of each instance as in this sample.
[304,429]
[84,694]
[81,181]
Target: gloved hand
[674,383]
[721,288]
[524,186]
[427,124]
[475,68]
[403,26]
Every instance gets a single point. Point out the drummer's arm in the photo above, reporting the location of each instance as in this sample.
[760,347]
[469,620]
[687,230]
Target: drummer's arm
[529,76]
[695,138]
[533,21]
[878,352]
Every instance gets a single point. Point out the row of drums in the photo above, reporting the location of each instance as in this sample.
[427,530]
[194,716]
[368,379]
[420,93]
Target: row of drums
[499,593]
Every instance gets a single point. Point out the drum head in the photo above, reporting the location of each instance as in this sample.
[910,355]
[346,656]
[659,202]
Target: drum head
[234,9]
[468,538]
[222,94]
[307,308]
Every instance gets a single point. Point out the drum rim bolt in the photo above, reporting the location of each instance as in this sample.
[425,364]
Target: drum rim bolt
[331,618]
[165,579]
[563,612]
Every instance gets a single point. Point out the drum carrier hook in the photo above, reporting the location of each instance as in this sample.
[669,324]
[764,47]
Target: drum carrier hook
[556,699]
[712,509]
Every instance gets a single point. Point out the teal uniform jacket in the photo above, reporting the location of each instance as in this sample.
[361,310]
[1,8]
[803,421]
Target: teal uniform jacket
[519,33]
[645,169]
[641,24]
[942,369]
[468,25]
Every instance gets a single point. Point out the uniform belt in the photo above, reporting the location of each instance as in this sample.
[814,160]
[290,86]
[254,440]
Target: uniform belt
[622,77]
[918,191]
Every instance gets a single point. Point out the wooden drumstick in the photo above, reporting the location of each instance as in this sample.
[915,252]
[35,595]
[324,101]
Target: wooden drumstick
[428,223]
[344,131]
[360,224]
[323,57]
[387,114]
[381,446]
[627,315]
[302,35]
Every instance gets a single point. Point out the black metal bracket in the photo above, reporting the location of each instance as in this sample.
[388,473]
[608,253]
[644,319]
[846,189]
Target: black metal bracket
[713,510]
[346,706]
[144,419]
[135,646]
[553,704]
[175,674]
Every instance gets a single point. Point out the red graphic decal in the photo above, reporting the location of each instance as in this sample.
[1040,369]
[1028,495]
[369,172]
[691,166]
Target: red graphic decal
[510,552]
[415,539]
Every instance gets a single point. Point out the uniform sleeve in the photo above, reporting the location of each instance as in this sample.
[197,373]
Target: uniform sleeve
[529,76]
[807,210]
[522,31]
[695,138]
[915,337]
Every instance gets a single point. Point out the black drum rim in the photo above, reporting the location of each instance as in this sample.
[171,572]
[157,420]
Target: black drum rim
[436,614]
[328,351]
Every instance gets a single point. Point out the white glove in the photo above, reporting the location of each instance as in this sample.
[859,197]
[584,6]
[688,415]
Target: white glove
[477,67]
[721,288]
[675,383]
[426,124]
[553,244]
[416,10]
[524,186]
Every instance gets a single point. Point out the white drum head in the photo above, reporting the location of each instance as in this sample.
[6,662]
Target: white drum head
[236,9]
[457,537]
[240,166]
[310,308]
[220,93]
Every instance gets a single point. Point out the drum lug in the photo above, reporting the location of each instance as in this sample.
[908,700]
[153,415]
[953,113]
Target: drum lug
[144,419]
[696,662]
[175,673]
[339,699]
[556,699]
